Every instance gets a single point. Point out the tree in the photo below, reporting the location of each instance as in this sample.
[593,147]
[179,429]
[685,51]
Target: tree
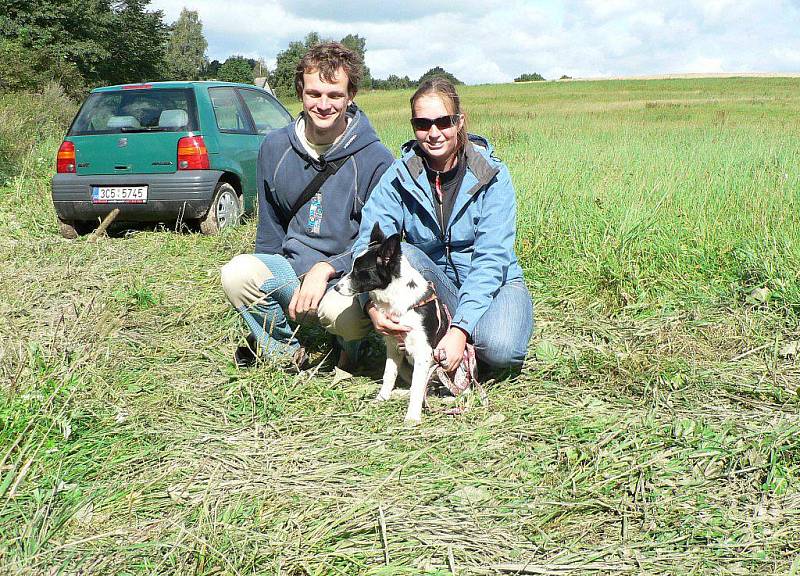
[441,72]
[261,74]
[186,47]
[136,54]
[252,62]
[211,70]
[260,69]
[535,77]
[106,41]
[359,45]
[45,35]
[393,82]
[29,69]
[282,78]
[236,69]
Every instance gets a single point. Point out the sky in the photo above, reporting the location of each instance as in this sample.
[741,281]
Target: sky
[490,41]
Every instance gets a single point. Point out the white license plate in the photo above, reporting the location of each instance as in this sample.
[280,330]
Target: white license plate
[119,194]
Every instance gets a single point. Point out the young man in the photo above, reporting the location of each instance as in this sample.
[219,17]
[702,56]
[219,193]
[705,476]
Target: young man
[314,176]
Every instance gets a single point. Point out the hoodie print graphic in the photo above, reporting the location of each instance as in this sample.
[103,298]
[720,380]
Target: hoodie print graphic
[315,215]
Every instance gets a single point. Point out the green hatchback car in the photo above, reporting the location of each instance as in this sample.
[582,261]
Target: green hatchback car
[164,151]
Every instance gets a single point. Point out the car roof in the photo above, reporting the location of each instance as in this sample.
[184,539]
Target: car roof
[172,84]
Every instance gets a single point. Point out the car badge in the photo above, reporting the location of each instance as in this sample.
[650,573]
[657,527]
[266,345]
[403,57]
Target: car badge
[122,142]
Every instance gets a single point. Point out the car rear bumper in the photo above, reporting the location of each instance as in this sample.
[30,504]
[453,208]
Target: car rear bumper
[175,195]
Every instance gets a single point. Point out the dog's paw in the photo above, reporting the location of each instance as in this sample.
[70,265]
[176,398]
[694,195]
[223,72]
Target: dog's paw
[380,398]
[411,421]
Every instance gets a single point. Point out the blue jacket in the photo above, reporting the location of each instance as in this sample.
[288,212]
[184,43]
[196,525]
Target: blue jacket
[479,236]
[320,230]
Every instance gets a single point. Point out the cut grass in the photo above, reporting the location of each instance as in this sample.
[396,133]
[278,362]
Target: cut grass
[654,428]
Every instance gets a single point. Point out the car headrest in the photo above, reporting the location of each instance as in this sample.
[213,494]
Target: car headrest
[173,118]
[123,122]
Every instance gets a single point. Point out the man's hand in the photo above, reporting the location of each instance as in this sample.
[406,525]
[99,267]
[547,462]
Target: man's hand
[385,325]
[450,351]
[305,299]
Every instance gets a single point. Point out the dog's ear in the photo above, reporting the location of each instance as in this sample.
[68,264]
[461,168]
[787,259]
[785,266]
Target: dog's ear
[377,235]
[390,249]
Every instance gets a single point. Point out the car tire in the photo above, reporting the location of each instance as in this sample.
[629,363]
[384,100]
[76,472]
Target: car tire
[225,210]
[71,229]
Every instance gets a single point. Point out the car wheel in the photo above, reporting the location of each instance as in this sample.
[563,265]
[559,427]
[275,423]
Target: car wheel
[225,210]
[71,229]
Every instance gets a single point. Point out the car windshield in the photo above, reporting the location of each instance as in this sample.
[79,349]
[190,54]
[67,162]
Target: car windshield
[137,110]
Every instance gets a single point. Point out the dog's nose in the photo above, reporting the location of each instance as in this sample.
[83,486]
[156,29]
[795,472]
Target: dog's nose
[336,287]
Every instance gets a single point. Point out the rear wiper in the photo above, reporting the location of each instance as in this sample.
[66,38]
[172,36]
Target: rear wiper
[143,129]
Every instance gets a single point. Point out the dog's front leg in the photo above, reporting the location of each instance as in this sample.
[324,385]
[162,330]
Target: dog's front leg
[393,359]
[419,383]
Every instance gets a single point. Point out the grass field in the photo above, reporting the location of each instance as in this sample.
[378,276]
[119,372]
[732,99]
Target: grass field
[654,429]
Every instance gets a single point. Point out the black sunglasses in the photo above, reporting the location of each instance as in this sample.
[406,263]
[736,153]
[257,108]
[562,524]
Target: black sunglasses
[442,122]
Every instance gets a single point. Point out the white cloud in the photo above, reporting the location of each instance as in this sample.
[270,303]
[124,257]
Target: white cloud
[791,56]
[349,11]
[705,65]
[495,40]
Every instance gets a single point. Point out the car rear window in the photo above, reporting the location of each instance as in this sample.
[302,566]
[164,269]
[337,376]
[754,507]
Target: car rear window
[145,110]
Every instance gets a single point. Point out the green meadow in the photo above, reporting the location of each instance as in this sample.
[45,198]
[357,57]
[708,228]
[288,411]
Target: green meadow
[653,430]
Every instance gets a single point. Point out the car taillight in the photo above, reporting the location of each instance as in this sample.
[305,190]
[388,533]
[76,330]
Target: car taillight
[192,153]
[65,161]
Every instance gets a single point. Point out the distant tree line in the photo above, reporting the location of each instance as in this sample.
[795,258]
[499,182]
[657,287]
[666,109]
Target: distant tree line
[535,77]
[281,79]
[394,82]
[80,44]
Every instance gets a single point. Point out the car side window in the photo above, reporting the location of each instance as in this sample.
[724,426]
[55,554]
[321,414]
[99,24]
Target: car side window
[267,113]
[228,110]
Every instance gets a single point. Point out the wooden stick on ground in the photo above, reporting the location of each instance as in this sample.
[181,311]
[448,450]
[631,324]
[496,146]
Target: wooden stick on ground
[382,523]
[451,561]
[105,223]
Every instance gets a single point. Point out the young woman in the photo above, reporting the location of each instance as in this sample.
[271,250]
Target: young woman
[454,203]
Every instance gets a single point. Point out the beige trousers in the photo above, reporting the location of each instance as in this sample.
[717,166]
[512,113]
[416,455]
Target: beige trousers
[244,275]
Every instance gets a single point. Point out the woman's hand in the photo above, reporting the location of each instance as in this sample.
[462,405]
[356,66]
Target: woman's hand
[450,351]
[385,325]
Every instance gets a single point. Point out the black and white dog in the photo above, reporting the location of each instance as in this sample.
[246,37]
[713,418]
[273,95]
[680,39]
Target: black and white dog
[400,291]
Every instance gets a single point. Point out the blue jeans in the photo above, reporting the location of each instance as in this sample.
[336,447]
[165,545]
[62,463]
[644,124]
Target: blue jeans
[502,334]
[261,294]
[267,319]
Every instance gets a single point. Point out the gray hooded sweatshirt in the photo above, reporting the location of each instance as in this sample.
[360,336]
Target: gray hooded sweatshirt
[327,225]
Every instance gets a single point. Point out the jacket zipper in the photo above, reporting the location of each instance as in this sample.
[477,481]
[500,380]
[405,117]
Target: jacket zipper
[445,229]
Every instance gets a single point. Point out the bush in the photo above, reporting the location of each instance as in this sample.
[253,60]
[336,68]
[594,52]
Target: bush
[27,69]
[393,82]
[236,69]
[438,71]
[28,119]
[535,77]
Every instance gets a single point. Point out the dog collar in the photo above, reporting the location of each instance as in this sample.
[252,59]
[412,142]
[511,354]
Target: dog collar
[428,297]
